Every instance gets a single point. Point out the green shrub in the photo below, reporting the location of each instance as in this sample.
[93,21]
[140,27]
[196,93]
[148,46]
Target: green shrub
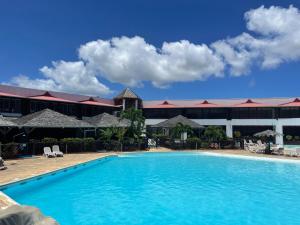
[204,144]
[67,140]
[9,150]
[237,134]
[215,133]
[49,140]
[289,137]
[88,140]
[193,140]
[89,144]
[193,143]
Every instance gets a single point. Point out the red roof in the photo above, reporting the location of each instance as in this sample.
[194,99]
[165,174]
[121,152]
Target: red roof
[92,101]
[18,92]
[12,91]
[163,105]
[295,103]
[206,104]
[249,104]
[48,97]
[3,94]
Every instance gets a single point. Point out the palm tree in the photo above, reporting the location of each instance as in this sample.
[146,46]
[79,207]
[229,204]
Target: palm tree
[120,133]
[137,123]
[180,129]
[106,135]
[214,133]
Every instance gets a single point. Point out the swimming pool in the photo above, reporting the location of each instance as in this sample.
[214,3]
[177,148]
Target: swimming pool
[168,188]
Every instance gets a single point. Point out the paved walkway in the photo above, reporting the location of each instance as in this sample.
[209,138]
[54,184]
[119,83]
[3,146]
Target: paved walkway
[19,169]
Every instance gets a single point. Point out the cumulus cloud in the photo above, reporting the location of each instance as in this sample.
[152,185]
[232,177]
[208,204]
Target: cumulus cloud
[273,38]
[65,76]
[131,61]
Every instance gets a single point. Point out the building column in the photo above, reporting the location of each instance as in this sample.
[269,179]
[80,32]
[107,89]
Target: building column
[229,132]
[279,138]
[124,103]
[136,103]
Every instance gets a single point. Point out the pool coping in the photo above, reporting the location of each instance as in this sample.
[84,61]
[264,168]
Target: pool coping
[249,157]
[6,201]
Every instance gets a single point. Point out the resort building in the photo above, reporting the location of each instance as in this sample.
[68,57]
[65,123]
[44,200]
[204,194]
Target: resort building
[247,116]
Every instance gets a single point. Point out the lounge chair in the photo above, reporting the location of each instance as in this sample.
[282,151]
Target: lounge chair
[261,148]
[259,142]
[298,152]
[277,149]
[56,151]
[2,166]
[255,147]
[48,153]
[251,142]
[248,146]
[290,152]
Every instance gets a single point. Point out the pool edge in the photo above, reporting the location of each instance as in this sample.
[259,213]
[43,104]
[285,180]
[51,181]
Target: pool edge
[5,185]
[248,157]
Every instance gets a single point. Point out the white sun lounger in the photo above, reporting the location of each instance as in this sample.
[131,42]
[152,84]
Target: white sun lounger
[298,152]
[48,153]
[56,151]
[290,152]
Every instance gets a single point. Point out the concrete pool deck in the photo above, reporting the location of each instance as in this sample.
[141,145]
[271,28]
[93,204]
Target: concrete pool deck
[19,169]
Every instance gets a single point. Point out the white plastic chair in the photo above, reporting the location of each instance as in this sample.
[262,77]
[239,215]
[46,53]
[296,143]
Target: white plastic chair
[56,151]
[48,153]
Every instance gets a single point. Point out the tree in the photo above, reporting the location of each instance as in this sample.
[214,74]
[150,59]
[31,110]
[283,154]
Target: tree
[179,129]
[120,133]
[214,133]
[137,123]
[289,137]
[113,133]
[107,134]
[237,134]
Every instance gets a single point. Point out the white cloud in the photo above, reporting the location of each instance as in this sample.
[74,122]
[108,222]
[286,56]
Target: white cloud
[273,38]
[273,21]
[131,61]
[24,81]
[278,40]
[65,76]
[236,56]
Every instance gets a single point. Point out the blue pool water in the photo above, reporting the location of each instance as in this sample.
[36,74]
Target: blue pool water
[169,189]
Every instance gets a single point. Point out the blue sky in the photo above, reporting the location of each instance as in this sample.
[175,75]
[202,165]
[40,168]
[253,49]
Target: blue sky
[36,33]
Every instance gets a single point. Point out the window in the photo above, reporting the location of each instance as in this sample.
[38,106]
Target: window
[289,112]
[252,113]
[10,105]
[191,113]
